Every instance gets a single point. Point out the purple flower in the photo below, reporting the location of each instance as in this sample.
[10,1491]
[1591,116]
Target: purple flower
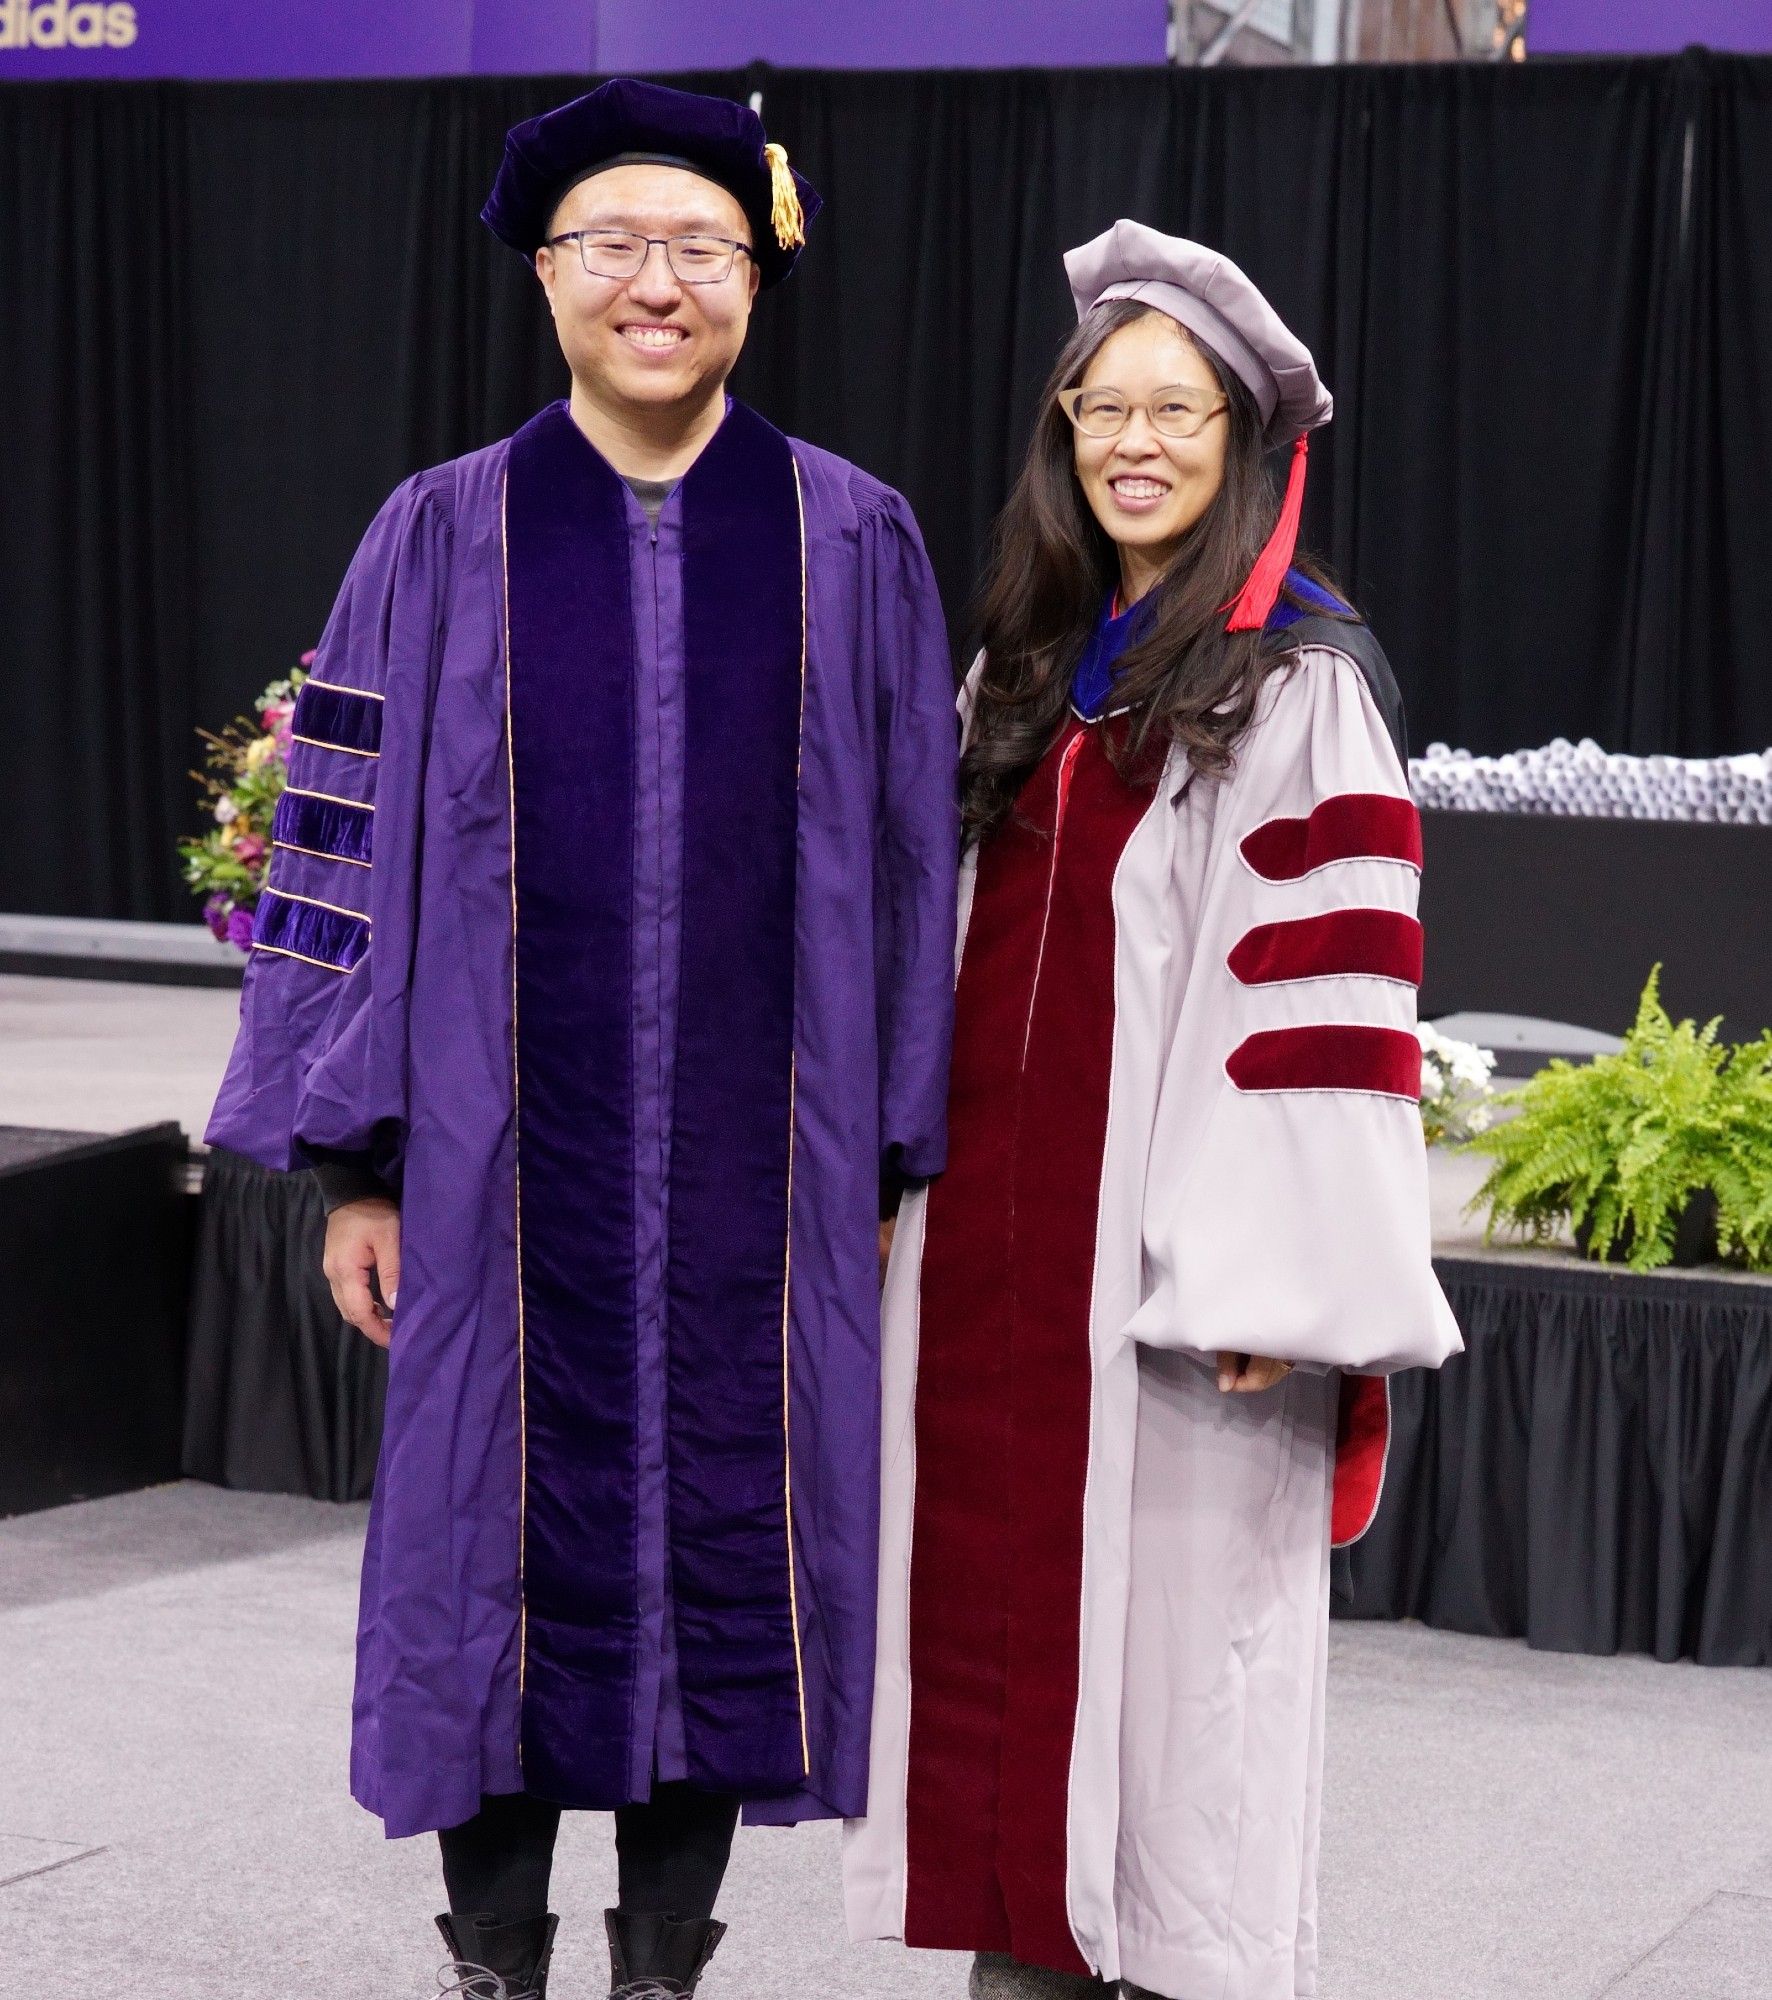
[240,929]
[215,915]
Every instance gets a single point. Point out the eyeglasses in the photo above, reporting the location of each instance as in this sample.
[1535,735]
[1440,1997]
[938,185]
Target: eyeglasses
[1178,412]
[617,253]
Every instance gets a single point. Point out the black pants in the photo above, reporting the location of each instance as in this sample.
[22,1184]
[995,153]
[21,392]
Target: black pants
[671,1853]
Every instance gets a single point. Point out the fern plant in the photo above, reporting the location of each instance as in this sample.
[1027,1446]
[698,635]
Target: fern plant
[1617,1147]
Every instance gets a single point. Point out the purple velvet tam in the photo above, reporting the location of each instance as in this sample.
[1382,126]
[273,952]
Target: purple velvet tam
[624,121]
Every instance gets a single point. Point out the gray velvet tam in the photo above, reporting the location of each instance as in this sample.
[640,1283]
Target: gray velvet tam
[1208,295]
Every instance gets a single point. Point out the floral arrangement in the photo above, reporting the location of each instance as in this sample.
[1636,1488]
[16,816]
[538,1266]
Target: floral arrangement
[246,765]
[1455,1089]
[1621,1149]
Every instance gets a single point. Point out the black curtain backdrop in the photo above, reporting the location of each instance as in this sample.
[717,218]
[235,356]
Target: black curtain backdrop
[232,317]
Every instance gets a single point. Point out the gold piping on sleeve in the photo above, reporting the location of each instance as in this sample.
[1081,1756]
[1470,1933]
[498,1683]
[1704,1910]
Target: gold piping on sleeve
[504,552]
[319,853]
[787,1295]
[325,964]
[320,743]
[338,687]
[337,909]
[331,798]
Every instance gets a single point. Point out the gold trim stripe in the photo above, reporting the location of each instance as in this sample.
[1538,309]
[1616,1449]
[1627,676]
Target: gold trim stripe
[504,553]
[338,687]
[319,853]
[343,749]
[325,964]
[331,798]
[787,1295]
[337,909]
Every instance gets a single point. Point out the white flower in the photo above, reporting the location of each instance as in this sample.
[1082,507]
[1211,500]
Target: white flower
[226,810]
[1471,1066]
[1454,1084]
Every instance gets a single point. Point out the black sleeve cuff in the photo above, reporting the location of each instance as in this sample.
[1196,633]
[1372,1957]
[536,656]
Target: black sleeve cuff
[347,1177]
[894,1186]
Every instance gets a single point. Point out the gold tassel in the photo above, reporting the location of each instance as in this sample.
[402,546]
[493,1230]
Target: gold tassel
[784,207]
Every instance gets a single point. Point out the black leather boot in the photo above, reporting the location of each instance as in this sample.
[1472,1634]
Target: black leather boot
[490,1960]
[658,1958]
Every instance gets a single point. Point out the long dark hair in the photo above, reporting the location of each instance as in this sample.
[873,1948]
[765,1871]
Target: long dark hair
[1187,681]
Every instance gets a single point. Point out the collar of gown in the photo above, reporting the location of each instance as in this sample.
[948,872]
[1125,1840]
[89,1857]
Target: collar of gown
[1092,685]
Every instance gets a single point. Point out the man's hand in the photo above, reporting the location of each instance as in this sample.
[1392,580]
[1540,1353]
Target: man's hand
[363,1264]
[886,1232]
[1245,1374]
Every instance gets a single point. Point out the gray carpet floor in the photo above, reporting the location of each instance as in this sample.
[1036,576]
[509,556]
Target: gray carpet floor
[174,1708]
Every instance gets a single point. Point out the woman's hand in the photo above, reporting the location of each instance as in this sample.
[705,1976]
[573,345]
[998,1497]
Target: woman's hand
[1245,1374]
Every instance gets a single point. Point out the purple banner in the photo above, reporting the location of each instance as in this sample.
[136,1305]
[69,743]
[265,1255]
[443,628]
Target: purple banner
[1646,27]
[228,38]
[346,38]
[643,35]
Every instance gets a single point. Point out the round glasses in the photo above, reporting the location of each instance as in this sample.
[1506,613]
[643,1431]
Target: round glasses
[1178,412]
[618,253]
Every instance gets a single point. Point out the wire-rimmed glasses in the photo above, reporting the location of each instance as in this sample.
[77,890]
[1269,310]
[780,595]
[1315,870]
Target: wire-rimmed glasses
[621,253]
[1178,412]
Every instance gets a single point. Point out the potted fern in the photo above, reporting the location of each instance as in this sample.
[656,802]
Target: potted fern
[1659,1153]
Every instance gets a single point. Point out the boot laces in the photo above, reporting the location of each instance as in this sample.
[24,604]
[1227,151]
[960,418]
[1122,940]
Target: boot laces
[648,1989]
[476,1982]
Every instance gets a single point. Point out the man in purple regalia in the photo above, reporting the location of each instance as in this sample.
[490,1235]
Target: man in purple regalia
[604,973]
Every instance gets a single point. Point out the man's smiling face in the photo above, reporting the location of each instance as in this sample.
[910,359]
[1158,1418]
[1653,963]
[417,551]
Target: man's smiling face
[650,341]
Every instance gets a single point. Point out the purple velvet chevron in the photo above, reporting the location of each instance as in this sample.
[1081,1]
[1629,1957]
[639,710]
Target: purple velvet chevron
[327,937]
[323,826]
[339,718]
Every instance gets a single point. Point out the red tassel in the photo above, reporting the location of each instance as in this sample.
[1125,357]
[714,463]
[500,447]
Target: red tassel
[1252,606]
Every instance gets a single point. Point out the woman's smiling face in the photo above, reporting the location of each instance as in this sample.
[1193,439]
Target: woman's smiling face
[1147,489]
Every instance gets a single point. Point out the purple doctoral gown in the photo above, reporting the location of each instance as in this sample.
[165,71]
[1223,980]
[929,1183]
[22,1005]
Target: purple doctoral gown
[612,920]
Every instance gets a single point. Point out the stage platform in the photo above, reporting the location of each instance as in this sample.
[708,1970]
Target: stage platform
[87,1055]
[95,1247]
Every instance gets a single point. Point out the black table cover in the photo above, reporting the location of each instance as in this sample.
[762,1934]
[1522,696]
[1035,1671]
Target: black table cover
[1593,1474]
[281,1395]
